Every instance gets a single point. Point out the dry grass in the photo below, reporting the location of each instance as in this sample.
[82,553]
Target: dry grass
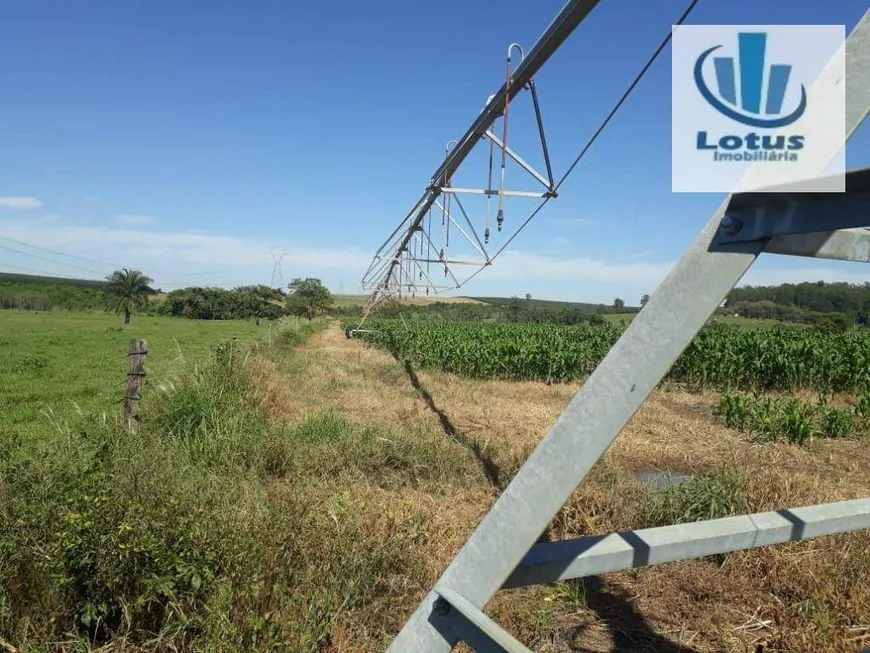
[810,596]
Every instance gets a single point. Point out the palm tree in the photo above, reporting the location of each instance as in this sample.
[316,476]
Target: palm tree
[127,290]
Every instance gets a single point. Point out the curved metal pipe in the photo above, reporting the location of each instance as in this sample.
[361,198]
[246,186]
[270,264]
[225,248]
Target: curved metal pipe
[518,47]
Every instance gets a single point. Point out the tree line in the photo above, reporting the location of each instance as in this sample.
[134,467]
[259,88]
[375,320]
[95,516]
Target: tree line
[808,302]
[520,311]
[127,292]
[130,291]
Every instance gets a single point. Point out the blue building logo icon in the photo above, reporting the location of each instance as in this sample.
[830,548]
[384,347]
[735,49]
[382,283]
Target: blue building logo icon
[753,107]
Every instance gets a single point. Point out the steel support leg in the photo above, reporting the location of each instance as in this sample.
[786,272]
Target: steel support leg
[614,392]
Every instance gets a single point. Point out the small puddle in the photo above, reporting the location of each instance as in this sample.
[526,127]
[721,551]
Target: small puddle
[656,479]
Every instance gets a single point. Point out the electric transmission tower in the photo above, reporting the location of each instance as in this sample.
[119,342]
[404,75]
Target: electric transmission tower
[277,255]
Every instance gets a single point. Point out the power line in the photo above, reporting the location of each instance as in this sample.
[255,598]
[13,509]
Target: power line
[597,133]
[45,258]
[40,272]
[54,251]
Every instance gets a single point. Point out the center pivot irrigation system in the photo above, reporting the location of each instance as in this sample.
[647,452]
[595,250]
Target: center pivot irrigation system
[418,256]
[437,238]
[504,552]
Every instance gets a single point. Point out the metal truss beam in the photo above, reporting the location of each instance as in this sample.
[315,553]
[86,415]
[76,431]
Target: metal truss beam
[839,245]
[555,561]
[494,192]
[551,562]
[570,16]
[520,161]
[620,384]
[751,217]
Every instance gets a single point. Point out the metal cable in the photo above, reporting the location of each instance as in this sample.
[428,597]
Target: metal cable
[45,258]
[54,251]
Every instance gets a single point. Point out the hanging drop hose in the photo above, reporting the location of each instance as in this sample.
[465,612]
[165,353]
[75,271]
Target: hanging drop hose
[447,212]
[504,142]
[445,209]
[428,243]
[489,191]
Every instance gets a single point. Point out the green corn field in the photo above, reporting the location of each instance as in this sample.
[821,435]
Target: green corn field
[719,357]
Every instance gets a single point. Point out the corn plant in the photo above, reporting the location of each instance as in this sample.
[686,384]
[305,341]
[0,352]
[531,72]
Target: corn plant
[772,420]
[719,357]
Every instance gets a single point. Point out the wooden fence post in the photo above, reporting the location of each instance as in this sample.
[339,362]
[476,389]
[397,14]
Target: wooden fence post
[135,377]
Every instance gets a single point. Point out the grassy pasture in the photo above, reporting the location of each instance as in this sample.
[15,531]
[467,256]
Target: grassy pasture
[65,363]
[305,496]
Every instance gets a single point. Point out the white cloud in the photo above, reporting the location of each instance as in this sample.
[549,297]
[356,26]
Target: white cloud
[50,217]
[178,258]
[19,203]
[519,265]
[133,218]
[588,279]
[631,257]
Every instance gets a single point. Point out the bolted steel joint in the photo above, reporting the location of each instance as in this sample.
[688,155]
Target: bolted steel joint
[441,607]
[730,225]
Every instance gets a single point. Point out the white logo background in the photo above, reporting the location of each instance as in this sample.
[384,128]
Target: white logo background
[815,53]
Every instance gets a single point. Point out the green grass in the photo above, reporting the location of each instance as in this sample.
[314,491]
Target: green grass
[349,300]
[210,526]
[698,498]
[58,365]
[616,318]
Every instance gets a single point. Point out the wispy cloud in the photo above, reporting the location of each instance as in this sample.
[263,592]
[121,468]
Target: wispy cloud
[631,257]
[521,265]
[50,217]
[133,218]
[19,202]
[170,255]
[178,257]
[577,220]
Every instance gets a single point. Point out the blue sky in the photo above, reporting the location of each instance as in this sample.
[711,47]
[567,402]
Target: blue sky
[187,138]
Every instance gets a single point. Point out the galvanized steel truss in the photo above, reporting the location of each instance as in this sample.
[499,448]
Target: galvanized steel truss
[407,262]
[502,552]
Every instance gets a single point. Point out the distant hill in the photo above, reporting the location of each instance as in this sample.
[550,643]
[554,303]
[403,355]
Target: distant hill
[9,277]
[552,304]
